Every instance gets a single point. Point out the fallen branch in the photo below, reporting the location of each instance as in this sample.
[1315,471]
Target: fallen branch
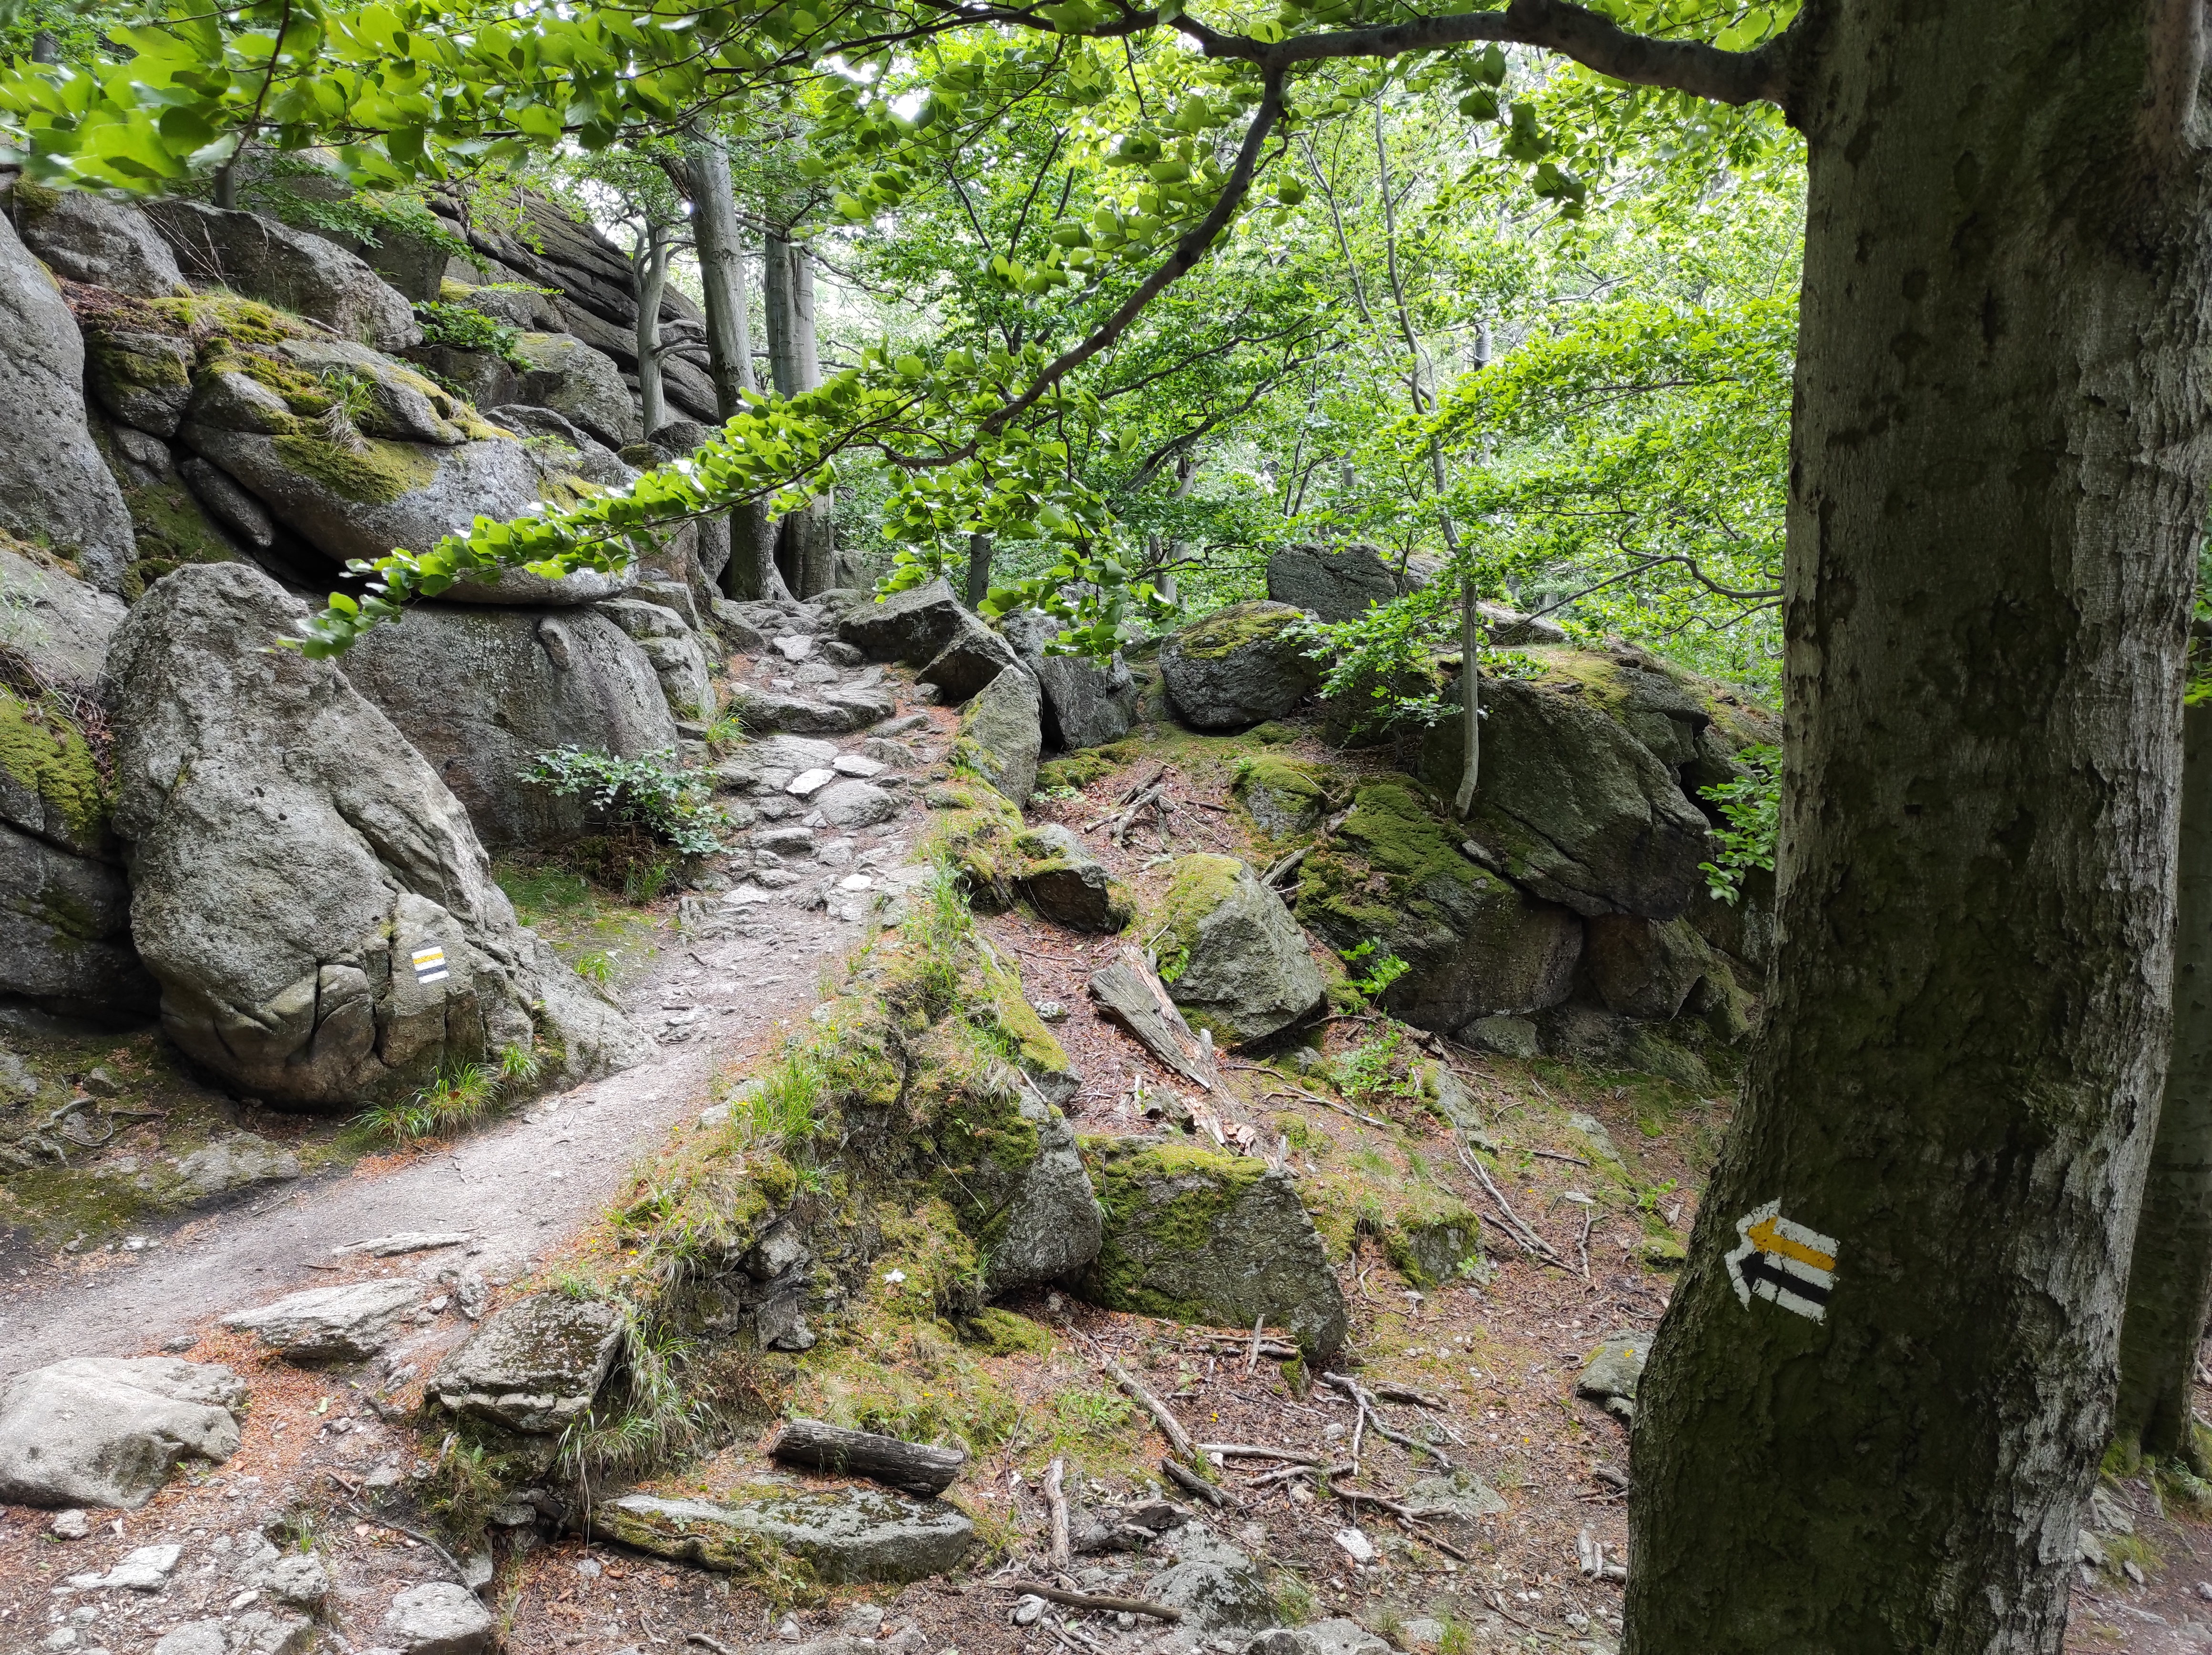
[1089,1600]
[1292,1473]
[705,1642]
[416,1535]
[1390,1392]
[1171,1426]
[1258,1326]
[1056,1502]
[1518,1227]
[1251,1450]
[1130,992]
[1355,1499]
[1366,1399]
[1192,1483]
[911,1467]
[1555,1155]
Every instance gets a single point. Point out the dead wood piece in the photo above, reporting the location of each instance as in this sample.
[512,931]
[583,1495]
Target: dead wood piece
[1129,991]
[1178,1473]
[1516,1225]
[1057,1503]
[1052,1594]
[1365,1399]
[1171,1426]
[1390,1392]
[911,1467]
[705,1642]
[1255,1451]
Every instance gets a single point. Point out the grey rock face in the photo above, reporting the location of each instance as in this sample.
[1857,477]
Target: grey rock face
[680,666]
[104,1431]
[1069,885]
[292,856]
[1574,809]
[1511,629]
[848,1535]
[1334,583]
[286,267]
[1231,669]
[1000,736]
[235,1161]
[594,461]
[1648,968]
[480,692]
[1614,1369]
[1456,1496]
[65,928]
[533,1367]
[855,804]
[85,237]
[60,625]
[1510,1037]
[838,710]
[1051,1229]
[1085,705]
[256,1632]
[485,379]
[143,379]
[567,376]
[228,504]
[1216,1585]
[969,660]
[54,487]
[345,1324]
[911,626]
[1336,1636]
[1245,970]
[440,1619]
[1261,1254]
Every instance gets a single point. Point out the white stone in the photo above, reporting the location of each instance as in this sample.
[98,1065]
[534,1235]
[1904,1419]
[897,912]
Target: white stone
[440,1619]
[1356,1546]
[794,647]
[852,764]
[855,882]
[808,783]
[71,1524]
[146,1570]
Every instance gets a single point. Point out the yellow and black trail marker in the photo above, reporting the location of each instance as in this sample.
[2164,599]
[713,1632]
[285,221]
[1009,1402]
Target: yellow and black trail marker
[1782,1263]
[430,965]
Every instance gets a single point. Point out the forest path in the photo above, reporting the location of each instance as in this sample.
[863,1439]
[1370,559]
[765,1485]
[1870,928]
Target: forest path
[520,1185]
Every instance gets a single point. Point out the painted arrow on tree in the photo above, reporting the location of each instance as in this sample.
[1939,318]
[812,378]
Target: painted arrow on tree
[1782,1263]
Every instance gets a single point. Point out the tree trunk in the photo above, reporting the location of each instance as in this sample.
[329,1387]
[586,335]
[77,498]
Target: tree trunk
[1996,484]
[979,569]
[751,572]
[1470,700]
[650,263]
[794,360]
[914,1467]
[2172,1276]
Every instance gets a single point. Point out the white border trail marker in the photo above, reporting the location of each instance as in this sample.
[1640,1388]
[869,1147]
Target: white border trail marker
[1782,1263]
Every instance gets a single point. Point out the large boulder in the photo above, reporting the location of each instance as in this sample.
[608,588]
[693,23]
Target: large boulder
[344,1323]
[322,921]
[1216,1239]
[1067,884]
[966,664]
[535,1366]
[480,692]
[82,236]
[837,710]
[911,626]
[1085,704]
[105,1431]
[55,488]
[1233,958]
[594,461]
[567,376]
[1573,808]
[61,626]
[1215,1585]
[1394,874]
[289,269]
[1234,668]
[440,1618]
[846,1536]
[1000,739]
[673,649]
[65,928]
[1334,583]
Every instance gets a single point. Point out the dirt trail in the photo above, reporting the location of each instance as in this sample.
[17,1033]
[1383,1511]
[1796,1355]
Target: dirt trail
[520,1185]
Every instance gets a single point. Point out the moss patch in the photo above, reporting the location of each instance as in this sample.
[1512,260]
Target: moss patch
[1167,1199]
[1200,884]
[1081,768]
[47,754]
[376,474]
[1226,631]
[1393,871]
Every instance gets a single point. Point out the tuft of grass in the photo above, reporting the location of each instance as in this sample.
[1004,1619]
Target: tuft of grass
[597,968]
[643,1419]
[1456,1640]
[461,1095]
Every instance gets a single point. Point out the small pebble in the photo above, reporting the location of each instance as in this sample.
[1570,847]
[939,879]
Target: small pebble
[74,1524]
[1029,1609]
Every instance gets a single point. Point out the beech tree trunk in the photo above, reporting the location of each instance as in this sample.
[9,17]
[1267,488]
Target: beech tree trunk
[650,263]
[751,572]
[979,569]
[2172,1276]
[794,360]
[1998,480]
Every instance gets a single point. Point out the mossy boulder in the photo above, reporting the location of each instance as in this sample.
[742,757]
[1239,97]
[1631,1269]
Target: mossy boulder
[1000,739]
[291,268]
[1394,874]
[1573,806]
[1435,1240]
[1283,798]
[1233,958]
[81,235]
[535,1366]
[1230,670]
[1335,583]
[972,828]
[1067,884]
[51,784]
[1219,1240]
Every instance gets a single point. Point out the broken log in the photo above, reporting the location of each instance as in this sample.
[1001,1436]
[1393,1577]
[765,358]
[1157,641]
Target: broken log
[1130,992]
[912,1468]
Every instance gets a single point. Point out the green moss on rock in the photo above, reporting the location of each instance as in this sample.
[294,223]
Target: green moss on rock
[1201,884]
[1211,637]
[47,754]
[375,474]
[1393,871]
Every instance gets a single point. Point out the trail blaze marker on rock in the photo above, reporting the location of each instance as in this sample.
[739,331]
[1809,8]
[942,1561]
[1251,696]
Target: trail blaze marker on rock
[1782,1263]
[430,965]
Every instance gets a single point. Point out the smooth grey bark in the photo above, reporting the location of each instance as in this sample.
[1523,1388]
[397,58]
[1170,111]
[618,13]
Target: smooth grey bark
[649,263]
[795,365]
[751,572]
[2170,1278]
[1998,480]
[979,569]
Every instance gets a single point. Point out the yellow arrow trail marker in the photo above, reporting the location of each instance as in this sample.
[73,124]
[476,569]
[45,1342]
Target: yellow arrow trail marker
[1784,1263]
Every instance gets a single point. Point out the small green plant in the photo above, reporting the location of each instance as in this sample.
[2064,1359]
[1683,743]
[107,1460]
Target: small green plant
[1752,807]
[351,395]
[459,328]
[520,1064]
[1385,969]
[461,1095]
[597,968]
[1457,1639]
[465,1487]
[646,882]
[652,792]
[1295,1603]
[727,729]
[1376,1068]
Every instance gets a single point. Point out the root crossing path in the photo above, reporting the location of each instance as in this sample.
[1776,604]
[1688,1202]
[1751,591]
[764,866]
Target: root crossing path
[520,1187]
